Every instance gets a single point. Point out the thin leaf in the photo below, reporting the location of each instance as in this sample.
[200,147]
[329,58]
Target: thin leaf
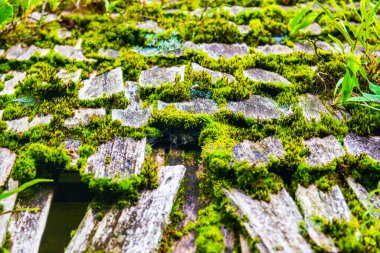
[374,88]
[371,97]
[358,99]
[25,100]
[372,193]
[371,107]
[6,11]
[113,4]
[24,186]
[337,41]
[54,4]
[353,7]
[297,19]
[337,85]
[106,5]
[303,19]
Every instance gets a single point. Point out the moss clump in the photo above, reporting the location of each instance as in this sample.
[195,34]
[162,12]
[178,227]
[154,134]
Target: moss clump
[362,168]
[15,111]
[324,177]
[207,229]
[364,121]
[48,90]
[177,92]
[2,85]
[345,234]
[296,125]
[219,165]
[258,34]
[171,119]
[3,126]
[115,101]
[39,160]
[124,191]
[257,180]
[212,30]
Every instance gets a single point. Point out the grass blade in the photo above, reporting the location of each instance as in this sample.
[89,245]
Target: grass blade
[24,186]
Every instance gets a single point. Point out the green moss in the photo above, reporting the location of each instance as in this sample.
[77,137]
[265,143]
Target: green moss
[149,174]
[362,168]
[7,243]
[39,160]
[124,191]
[209,238]
[3,126]
[177,92]
[324,177]
[257,180]
[115,101]
[345,234]
[15,111]
[217,158]
[212,30]
[172,119]
[109,190]
[364,121]
[258,34]
[356,207]
[296,125]
[216,134]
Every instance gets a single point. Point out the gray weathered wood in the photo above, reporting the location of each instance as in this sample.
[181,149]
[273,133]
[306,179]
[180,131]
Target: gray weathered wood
[10,85]
[363,195]
[198,105]
[274,222]
[119,158]
[258,107]
[323,150]
[217,50]
[82,116]
[265,76]
[7,159]
[274,49]
[357,145]
[26,228]
[137,228]
[160,75]
[258,152]
[22,125]
[103,85]
[327,205]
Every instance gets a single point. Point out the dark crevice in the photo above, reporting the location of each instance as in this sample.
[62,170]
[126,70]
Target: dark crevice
[71,199]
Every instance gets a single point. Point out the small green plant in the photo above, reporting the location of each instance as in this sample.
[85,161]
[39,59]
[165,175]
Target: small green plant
[110,6]
[358,66]
[6,10]
[372,209]
[302,20]
[362,71]
[23,187]
[13,10]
